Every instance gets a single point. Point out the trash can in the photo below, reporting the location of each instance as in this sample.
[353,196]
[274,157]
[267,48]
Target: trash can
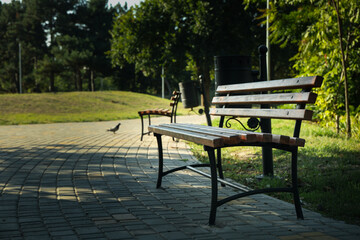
[232,69]
[190,94]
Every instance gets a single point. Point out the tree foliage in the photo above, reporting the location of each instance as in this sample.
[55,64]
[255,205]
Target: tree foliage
[179,33]
[313,27]
[63,42]
[19,26]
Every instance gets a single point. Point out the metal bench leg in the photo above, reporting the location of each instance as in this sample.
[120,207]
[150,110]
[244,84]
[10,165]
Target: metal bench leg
[160,170]
[214,185]
[297,202]
[149,123]
[142,127]
[219,165]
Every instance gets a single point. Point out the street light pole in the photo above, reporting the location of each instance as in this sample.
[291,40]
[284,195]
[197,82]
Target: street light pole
[162,82]
[20,72]
[268,41]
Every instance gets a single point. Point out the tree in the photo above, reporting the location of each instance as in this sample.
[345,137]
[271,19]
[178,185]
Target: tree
[74,56]
[141,37]
[19,25]
[344,66]
[60,19]
[98,19]
[49,11]
[58,39]
[327,36]
[33,43]
[179,33]
[209,30]
[9,22]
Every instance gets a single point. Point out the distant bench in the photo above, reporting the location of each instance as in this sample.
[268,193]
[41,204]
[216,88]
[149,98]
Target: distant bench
[258,95]
[160,112]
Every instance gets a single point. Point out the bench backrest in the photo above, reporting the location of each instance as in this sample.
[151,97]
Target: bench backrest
[265,95]
[174,104]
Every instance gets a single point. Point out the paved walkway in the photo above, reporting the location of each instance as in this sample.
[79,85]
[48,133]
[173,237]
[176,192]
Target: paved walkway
[77,181]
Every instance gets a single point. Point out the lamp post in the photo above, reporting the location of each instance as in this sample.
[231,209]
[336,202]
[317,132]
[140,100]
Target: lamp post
[162,82]
[267,155]
[20,72]
[268,41]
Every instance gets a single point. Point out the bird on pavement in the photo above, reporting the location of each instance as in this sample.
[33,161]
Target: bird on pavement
[114,129]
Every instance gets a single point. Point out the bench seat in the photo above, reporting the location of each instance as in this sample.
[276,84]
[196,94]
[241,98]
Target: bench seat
[166,112]
[217,137]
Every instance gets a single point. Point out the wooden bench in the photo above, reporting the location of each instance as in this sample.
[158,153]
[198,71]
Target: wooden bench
[259,94]
[161,112]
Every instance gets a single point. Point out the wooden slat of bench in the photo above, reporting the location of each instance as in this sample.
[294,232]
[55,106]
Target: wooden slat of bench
[300,142]
[295,114]
[251,136]
[275,138]
[279,98]
[291,83]
[259,137]
[230,138]
[246,136]
[204,139]
[165,112]
[174,98]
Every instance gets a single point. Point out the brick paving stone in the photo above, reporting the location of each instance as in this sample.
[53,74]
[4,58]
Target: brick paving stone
[93,236]
[206,237]
[148,237]
[36,237]
[9,226]
[9,234]
[87,230]
[71,237]
[140,232]
[62,233]
[174,235]
[118,235]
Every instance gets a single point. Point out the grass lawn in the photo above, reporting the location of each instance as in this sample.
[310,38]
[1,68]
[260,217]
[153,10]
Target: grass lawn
[77,106]
[328,169]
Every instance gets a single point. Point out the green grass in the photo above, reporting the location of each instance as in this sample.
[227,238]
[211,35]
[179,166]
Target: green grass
[76,106]
[328,169]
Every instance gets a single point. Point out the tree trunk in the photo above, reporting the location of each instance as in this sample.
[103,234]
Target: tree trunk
[52,74]
[203,69]
[168,87]
[79,79]
[17,90]
[92,80]
[52,82]
[343,61]
[207,83]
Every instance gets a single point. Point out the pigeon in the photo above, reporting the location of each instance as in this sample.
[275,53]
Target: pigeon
[114,129]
